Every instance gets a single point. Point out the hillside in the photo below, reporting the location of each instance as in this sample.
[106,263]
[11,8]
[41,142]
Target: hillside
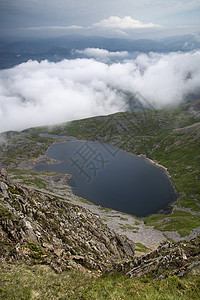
[38,226]
[170,137]
[42,224]
[40,231]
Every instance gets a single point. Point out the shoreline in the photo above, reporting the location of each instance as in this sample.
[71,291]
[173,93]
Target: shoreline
[166,172]
[143,156]
[123,223]
[168,209]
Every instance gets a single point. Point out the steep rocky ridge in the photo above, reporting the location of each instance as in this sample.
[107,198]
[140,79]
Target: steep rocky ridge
[38,227]
[168,259]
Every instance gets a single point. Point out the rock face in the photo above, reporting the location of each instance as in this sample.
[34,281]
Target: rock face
[37,227]
[167,260]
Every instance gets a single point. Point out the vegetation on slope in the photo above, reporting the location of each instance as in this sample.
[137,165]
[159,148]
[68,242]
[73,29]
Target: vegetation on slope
[170,137]
[40,282]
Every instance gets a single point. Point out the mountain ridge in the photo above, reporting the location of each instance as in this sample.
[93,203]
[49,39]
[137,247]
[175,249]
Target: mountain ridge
[37,227]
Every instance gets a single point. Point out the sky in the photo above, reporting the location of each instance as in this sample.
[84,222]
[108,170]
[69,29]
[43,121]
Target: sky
[122,18]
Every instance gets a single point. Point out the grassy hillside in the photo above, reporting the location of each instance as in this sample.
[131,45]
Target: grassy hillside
[40,282]
[170,137]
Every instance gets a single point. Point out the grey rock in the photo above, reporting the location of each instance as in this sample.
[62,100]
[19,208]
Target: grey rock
[49,230]
[4,189]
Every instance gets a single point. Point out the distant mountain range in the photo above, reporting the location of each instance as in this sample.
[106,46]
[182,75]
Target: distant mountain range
[56,49]
[80,43]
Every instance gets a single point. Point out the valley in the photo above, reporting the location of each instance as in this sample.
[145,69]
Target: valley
[169,137]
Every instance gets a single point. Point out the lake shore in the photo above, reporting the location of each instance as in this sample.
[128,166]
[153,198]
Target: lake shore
[166,172]
[123,223]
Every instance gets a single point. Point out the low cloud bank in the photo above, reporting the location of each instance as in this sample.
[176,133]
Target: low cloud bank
[33,93]
[102,53]
[127,22]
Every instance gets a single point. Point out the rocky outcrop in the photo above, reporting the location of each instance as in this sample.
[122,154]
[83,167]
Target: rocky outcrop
[167,260]
[37,227]
[195,108]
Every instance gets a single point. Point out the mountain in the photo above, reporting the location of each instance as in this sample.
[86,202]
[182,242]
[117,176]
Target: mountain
[13,52]
[44,227]
[169,137]
[38,46]
[81,42]
[57,49]
[186,42]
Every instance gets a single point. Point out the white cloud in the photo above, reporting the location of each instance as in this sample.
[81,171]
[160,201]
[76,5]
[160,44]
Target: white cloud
[35,93]
[102,53]
[114,23]
[23,13]
[125,23]
[121,33]
[183,26]
[39,28]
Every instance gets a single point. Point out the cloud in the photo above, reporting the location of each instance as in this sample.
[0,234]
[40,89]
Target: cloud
[183,26]
[122,33]
[102,53]
[23,13]
[33,93]
[39,28]
[126,23]
[113,23]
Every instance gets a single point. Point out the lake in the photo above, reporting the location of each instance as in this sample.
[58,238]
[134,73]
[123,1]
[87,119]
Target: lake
[112,178]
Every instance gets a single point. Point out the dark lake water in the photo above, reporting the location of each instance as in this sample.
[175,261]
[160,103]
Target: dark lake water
[112,178]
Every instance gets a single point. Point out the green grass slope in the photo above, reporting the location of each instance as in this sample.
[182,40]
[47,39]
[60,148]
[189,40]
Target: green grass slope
[171,137]
[40,282]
